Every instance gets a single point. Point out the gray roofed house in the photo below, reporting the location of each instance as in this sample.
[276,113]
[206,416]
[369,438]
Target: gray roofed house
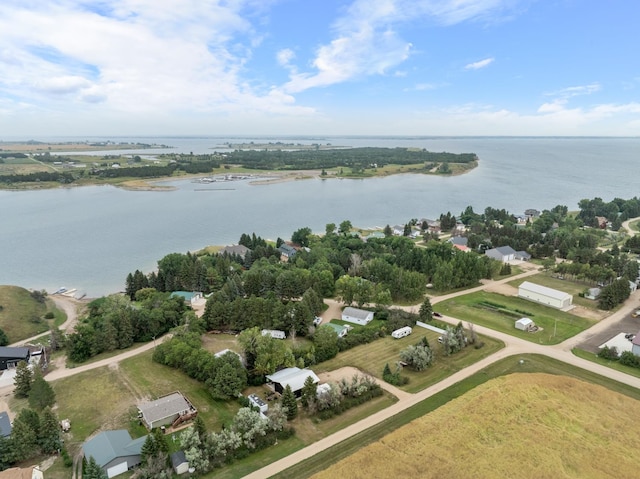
[238,249]
[179,462]
[5,425]
[10,357]
[114,451]
[458,240]
[287,251]
[166,410]
[522,255]
[357,316]
[501,253]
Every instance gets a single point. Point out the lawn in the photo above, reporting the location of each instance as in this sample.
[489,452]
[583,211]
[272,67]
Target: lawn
[574,288]
[21,316]
[525,363]
[589,356]
[371,358]
[477,308]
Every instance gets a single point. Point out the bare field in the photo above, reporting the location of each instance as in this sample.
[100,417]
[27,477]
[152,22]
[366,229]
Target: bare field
[521,425]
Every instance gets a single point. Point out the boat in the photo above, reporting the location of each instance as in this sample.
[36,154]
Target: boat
[60,290]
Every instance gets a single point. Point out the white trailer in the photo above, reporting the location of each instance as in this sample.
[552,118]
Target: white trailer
[402,332]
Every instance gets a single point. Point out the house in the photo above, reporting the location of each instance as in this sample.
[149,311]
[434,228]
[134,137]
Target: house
[461,247]
[398,230]
[293,377]
[286,251]
[543,295]
[179,462]
[357,316]
[458,240]
[340,329]
[402,332]
[31,472]
[171,409]
[10,357]
[114,451]
[601,221]
[635,345]
[522,256]
[274,333]
[5,424]
[593,293]
[525,324]
[238,250]
[531,213]
[501,253]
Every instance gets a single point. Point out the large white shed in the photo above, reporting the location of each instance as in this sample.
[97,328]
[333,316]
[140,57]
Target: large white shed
[544,295]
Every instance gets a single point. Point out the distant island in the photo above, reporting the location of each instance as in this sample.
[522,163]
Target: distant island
[36,165]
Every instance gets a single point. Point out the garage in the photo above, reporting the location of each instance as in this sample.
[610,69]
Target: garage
[117,469]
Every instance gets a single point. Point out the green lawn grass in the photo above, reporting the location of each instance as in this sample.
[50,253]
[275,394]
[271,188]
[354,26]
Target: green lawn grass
[589,356]
[21,316]
[371,358]
[557,325]
[513,364]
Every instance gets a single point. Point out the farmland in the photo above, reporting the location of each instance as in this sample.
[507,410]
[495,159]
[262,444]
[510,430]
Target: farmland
[523,419]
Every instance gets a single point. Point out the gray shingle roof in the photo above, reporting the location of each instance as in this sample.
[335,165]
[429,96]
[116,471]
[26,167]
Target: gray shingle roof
[356,313]
[6,352]
[163,407]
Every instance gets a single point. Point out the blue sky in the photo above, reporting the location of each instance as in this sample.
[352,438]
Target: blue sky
[319,67]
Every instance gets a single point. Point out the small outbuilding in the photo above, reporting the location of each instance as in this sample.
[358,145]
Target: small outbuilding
[544,295]
[402,332]
[256,402]
[340,329]
[292,377]
[179,462]
[525,324]
[357,316]
[171,409]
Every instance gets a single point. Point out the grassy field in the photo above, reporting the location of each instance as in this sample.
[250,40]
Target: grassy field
[372,357]
[522,419]
[476,308]
[519,364]
[568,286]
[635,225]
[21,316]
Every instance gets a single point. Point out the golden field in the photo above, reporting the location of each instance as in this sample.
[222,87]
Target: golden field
[522,425]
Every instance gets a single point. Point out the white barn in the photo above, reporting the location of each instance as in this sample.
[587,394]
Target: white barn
[357,316]
[543,295]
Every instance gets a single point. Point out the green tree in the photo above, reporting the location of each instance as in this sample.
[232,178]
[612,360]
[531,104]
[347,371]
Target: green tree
[330,229]
[309,391]
[345,228]
[419,357]
[426,311]
[4,340]
[50,438]
[289,403]
[41,394]
[24,435]
[93,471]
[22,380]
[387,231]
[301,236]
[325,342]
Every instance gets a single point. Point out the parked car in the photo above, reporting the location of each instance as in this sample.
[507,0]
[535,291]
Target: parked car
[436,315]
[636,313]
[440,339]
[317,320]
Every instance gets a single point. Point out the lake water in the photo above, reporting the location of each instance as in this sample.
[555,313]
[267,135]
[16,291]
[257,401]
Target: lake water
[90,237]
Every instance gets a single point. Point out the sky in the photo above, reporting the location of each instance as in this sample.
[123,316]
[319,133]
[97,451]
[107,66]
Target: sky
[319,67]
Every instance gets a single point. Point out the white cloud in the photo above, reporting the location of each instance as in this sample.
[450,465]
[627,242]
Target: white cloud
[366,41]
[576,91]
[422,87]
[479,64]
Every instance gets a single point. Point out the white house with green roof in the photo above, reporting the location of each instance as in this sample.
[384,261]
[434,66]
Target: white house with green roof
[114,451]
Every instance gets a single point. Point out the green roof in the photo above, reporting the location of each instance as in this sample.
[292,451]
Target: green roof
[337,327]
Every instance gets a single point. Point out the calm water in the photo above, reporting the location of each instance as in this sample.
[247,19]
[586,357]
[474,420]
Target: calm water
[89,238]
